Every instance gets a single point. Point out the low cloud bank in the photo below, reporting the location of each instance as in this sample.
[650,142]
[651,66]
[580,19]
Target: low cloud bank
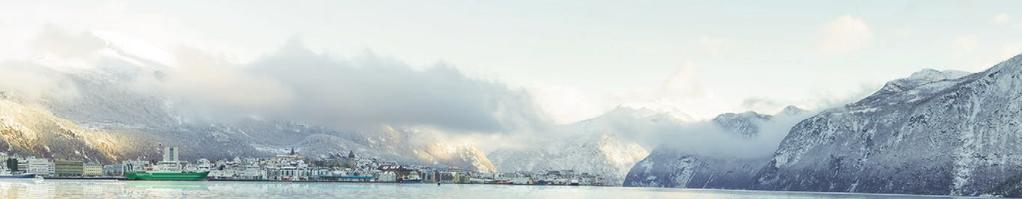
[703,137]
[293,84]
[359,92]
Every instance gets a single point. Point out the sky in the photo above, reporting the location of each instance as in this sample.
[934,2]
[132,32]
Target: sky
[574,59]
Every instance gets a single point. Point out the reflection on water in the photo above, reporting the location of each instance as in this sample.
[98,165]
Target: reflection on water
[203,189]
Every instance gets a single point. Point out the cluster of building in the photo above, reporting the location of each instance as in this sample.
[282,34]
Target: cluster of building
[295,167]
[555,177]
[14,164]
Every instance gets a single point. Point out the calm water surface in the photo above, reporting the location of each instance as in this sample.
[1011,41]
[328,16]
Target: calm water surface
[208,189]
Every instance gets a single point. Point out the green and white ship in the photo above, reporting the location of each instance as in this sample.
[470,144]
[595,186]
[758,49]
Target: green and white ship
[170,169]
[167,175]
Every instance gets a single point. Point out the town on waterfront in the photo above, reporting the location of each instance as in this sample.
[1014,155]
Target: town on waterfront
[288,167]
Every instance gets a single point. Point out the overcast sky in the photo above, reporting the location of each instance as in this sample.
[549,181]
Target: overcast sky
[577,59]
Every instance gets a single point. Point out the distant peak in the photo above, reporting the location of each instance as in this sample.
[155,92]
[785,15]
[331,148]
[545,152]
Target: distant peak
[650,112]
[742,115]
[931,75]
[791,110]
[1013,63]
[743,124]
[922,77]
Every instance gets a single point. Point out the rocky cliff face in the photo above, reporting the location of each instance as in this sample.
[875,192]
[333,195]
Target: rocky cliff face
[932,133]
[667,167]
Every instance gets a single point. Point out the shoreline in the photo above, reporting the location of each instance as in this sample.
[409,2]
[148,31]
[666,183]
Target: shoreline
[307,181]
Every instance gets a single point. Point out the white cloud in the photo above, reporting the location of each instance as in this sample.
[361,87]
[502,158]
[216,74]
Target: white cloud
[370,90]
[684,82]
[213,84]
[31,82]
[1009,50]
[681,94]
[763,105]
[714,47]
[845,34]
[1001,19]
[565,104]
[964,45]
[53,40]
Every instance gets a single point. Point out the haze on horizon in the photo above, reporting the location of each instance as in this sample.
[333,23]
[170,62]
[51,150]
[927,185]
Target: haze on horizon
[508,66]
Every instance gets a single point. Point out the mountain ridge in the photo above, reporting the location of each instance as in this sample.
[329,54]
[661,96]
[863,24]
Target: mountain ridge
[948,136]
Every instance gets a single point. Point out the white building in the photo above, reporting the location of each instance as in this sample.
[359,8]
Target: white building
[113,170]
[170,154]
[39,166]
[203,165]
[129,166]
[387,176]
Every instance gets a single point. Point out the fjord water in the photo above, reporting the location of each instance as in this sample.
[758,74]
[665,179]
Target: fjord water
[211,189]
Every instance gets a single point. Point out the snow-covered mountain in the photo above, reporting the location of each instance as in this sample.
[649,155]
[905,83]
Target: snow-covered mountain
[743,124]
[671,165]
[604,145]
[602,154]
[935,132]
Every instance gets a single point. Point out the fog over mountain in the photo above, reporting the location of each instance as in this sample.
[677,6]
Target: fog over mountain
[97,83]
[294,83]
[317,102]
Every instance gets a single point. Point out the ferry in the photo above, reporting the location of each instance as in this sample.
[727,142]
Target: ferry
[7,174]
[167,175]
[170,169]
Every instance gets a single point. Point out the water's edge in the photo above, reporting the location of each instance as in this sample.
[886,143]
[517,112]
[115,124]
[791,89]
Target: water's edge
[236,189]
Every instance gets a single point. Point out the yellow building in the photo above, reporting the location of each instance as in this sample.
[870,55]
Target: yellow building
[92,169]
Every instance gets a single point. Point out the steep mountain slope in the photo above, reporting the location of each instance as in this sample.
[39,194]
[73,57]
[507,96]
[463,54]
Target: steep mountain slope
[33,130]
[931,133]
[669,167]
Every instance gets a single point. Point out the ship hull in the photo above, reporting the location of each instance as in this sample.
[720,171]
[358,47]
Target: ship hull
[27,175]
[167,176]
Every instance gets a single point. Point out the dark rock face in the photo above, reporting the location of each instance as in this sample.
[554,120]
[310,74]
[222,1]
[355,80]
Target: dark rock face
[932,133]
[666,167]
